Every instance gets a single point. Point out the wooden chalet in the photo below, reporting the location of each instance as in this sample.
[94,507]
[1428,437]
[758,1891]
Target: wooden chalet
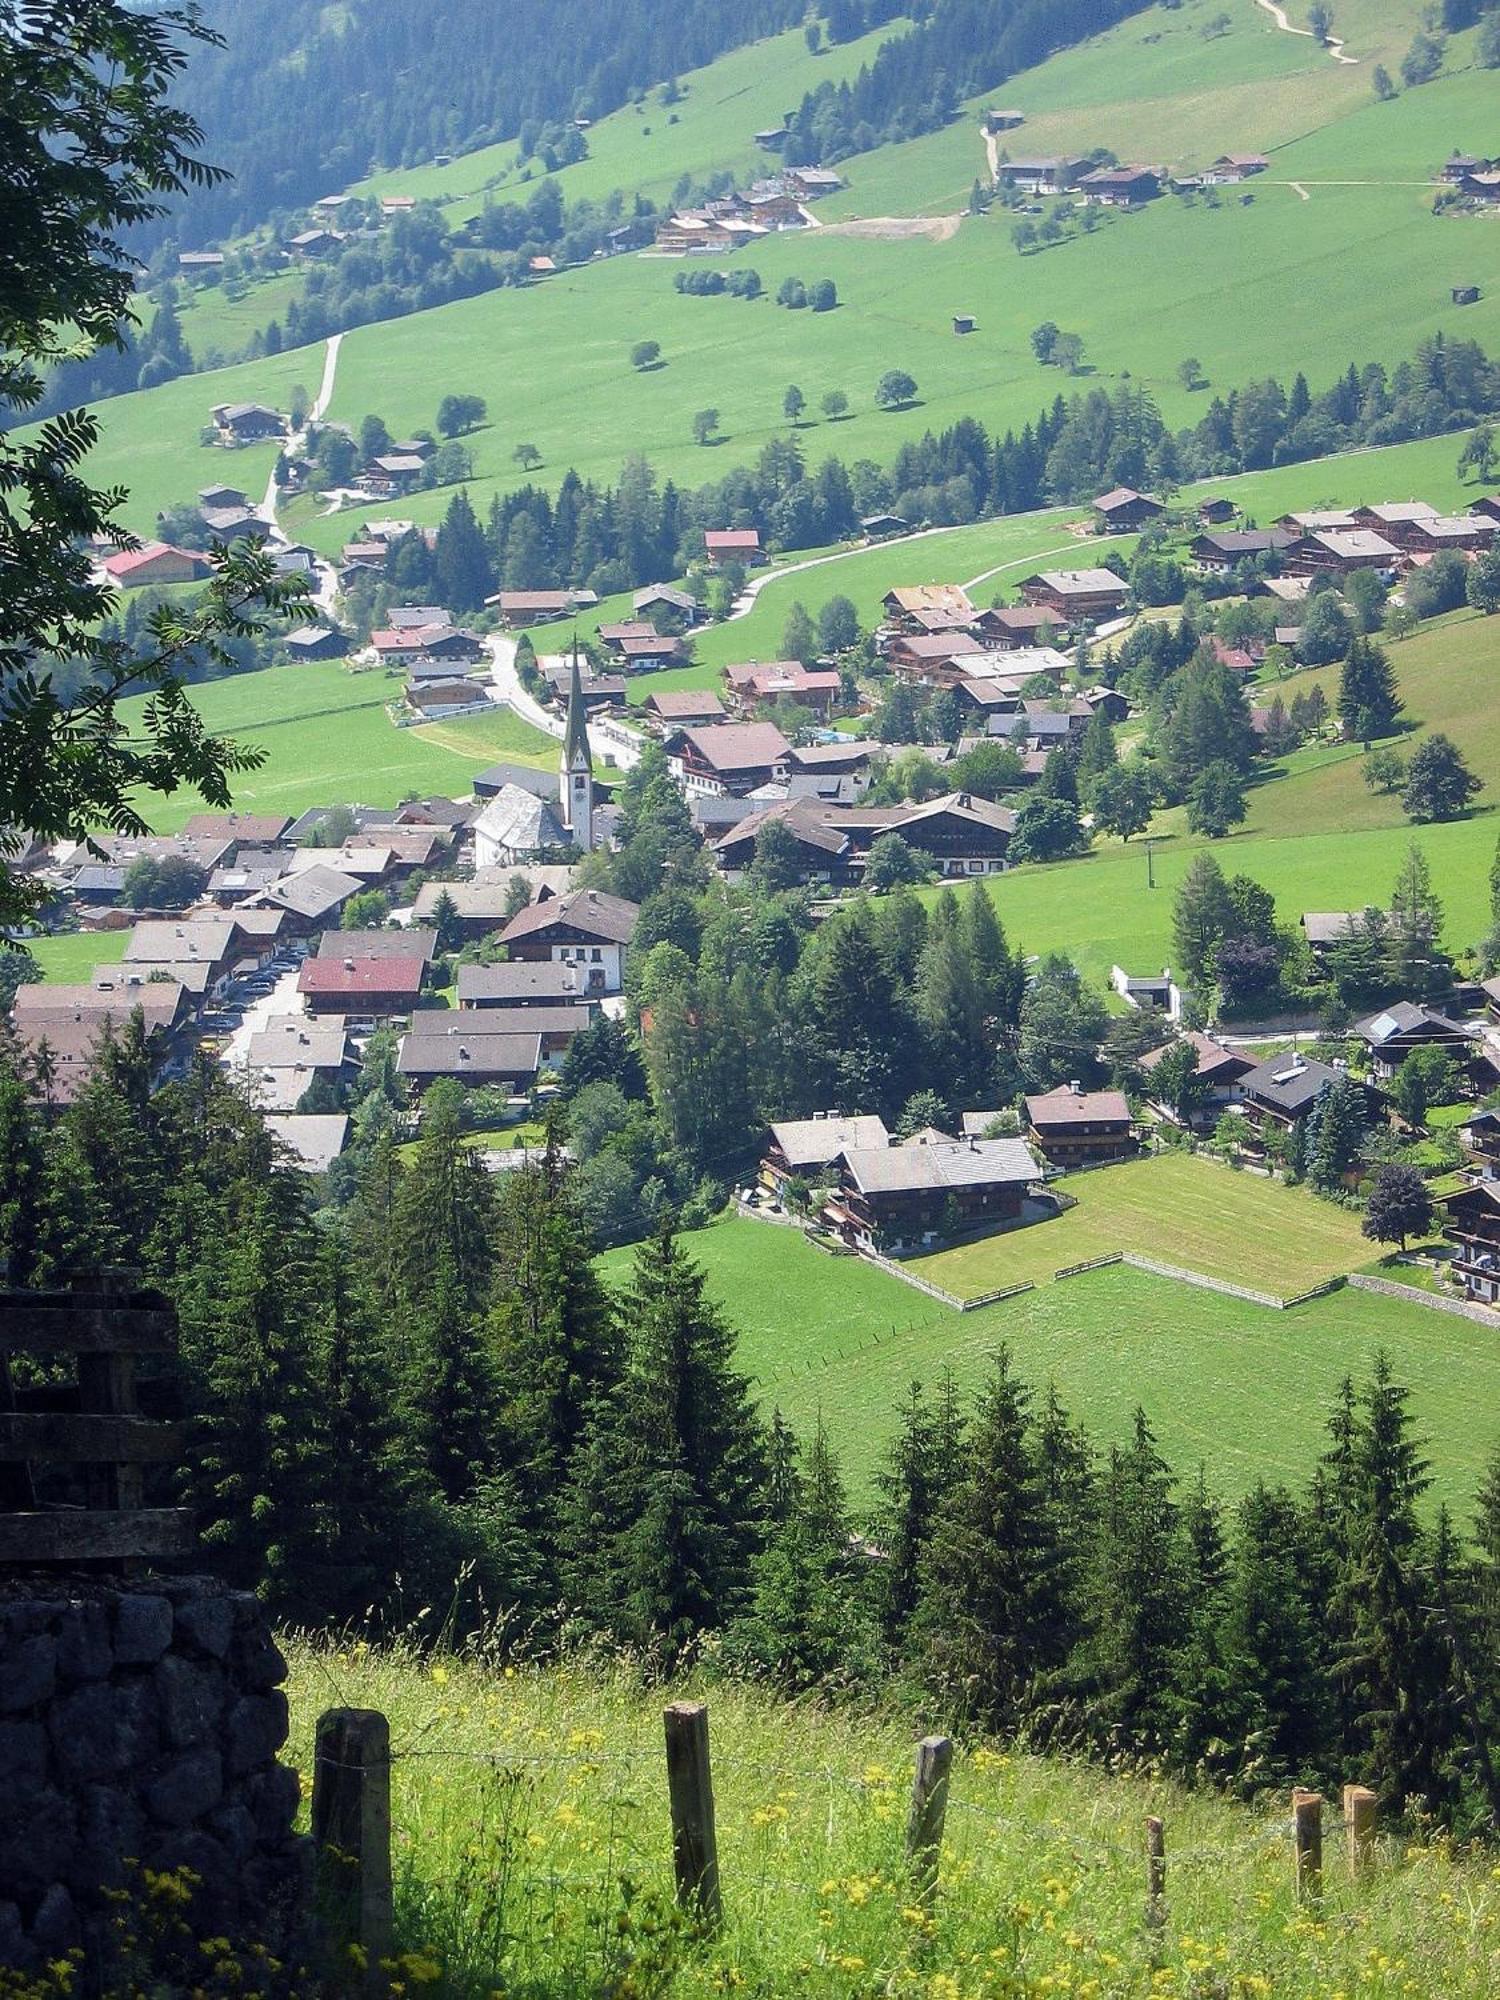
[1220,550]
[732,545]
[1075,1127]
[1077,595]
[1221,1071]
[1340,552]
[1472,1224]
[928,607]
[809,1148]
[733,757]
[373,986]
[584,928]
[1397,1031]
[897,1200]
[1124,511]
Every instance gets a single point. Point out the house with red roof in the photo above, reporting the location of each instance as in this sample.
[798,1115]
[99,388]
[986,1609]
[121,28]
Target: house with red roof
[156,562]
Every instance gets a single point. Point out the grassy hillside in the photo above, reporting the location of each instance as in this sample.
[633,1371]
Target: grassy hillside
[521,1802]
[1242,1388]
[329,740]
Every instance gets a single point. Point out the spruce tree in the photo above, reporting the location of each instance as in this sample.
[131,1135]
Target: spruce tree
[994,1613]
[921,1463]
[1335,1136]
[1273,1635]
[1368,702]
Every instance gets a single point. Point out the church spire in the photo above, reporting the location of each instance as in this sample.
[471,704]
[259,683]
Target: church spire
[576,753]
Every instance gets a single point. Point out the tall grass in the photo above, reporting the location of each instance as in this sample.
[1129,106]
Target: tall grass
[532,1858]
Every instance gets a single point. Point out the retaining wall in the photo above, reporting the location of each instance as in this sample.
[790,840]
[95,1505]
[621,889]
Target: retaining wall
[139,1729]
[1459,1308]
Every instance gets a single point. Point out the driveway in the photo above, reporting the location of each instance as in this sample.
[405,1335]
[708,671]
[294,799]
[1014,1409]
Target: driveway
[263,1009]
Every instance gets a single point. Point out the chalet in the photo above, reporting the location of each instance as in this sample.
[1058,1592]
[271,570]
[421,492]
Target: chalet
[682,708]
[1222,550]
[598,692]
[486,901]
[315,642]
[584,927]
[774,207]
[200,263]
[240,829]
[1231,168]
[556,1024]
[809,1148]
[1340,552]
[392,472]
[113,996]
[1467,533]
[313,243]
[312,1140]
[1481,1136]
[844,757]
[438,700]
[823,850]
[1002,121]
[463,1053]
[1280,1092]
[812,183]
[732,545]
[291,1041]
[878,527]
[1459,167]
[1221,1074]
[898,1199]
[1489,507]
[1390,1036]
[231,524]
[695,233]
[513,986]
[1124,511]
[1075,1127]
[1108,702]
[1238,659]
[155,562]
[783,680]
[441,646]
[1396,520]
[1318,522]
[373,987]
[662,600]
[994,697]
[937,659]
[1325,928]
[927,608]
[1046,175]
[1042,727]
[515,826]
[1216,511]
[518,608]
[1076,594]
[221,496]
[397,204]
[734,757]
[1473,1225]
[1009,626]
[648,652]
[313,899]
[1120,187]
[246,423]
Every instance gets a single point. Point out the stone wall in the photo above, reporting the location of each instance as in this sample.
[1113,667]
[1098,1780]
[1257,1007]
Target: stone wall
[139,1726]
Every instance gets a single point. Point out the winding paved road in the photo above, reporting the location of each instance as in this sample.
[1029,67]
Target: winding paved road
[1334,43]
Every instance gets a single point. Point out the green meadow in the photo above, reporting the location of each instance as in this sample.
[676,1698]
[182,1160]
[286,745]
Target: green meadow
[1240,1388]
[70,957]
[329,739]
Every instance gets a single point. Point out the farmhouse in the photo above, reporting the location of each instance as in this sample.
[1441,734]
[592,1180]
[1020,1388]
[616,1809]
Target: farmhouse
[1222,550]
[1473,1223]
[733,757]
[1121,187]
[375,987]
[966,835]
[937,659]
[1016,625]
[682,708]
[315,642]
[540,984]
[823,849]
[434,700]
[1325,928]
[807,1148]
[732,545]
[1075,1127]
[1481,1136]
[1278,1093]
[1319,522]
[1221,1073]
[466,1055]
[392,472]
[246,423]
[584,927]
[1044,175]
[155,562]
[1214,512]
[1396,520]
[1231,168]
[810,183]
[782,680]
[1468,533]
[1393,1034]
[1085,594]
[242,829]
[898,1199]
[928,607]
[1340,552]
[518,608]
[556,1025]
[663,599]
[313,242]
[1123,510]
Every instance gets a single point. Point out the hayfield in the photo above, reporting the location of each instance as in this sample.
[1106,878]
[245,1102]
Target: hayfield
[70,957]
[522,1796]
[1181,1208]
[1241,1388]
[329,740]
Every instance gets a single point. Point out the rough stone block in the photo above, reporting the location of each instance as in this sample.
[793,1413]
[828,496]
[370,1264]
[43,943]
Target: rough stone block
[273,1796]
[143,1628]
[30,1673]
[36,1847]
[186,1789]
[111,1827]
[104,1729]
[55,1926]
[257,1660]
[84,1652]
[191,1699]
[16,1950]
[257,1729]
[23,1762]
[233,1826]
[205,1625]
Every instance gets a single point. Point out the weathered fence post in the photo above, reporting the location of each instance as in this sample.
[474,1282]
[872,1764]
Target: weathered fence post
[929,1808]
[1361,1811]
[690,1787]
[1156,1875]
[1307,1838]
[351,1825]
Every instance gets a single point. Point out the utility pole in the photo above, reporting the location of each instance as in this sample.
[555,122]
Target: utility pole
[1150,861]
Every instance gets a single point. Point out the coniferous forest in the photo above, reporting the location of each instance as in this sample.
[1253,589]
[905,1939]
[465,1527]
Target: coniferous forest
[420,1395]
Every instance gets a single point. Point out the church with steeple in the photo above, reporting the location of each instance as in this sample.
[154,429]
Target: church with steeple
[576,776]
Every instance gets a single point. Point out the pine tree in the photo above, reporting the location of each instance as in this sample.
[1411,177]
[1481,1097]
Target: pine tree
[461,559]
[1368,702]
[994,1613]
[920,1466]
[1336,1134]
[1272,1634]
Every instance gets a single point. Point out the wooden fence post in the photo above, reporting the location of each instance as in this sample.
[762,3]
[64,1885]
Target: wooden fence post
[1361,1812]
[690,1788]
[1156,1875]
[1307,1837]
[351,1825]
[929,1808]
